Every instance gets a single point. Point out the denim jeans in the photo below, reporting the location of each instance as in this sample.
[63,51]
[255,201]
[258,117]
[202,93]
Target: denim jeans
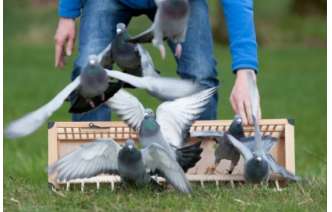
[98,27]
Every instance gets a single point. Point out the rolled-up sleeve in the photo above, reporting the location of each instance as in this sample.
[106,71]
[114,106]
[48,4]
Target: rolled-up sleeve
[241,32]
[69,8]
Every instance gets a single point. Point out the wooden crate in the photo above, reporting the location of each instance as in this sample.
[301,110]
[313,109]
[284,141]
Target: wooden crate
[64,137]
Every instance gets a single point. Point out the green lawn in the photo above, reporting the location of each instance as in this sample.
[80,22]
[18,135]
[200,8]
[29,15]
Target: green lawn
[292,84]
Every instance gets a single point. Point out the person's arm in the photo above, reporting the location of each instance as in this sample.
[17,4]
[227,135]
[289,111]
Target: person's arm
[65,34]
[242,37]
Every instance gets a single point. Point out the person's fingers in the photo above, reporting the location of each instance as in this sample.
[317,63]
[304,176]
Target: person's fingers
[233,104]
[70,45]
[248,111]
[241,112]
[59,54]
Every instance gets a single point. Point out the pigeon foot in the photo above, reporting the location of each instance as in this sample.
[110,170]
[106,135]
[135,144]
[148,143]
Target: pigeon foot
[178,50]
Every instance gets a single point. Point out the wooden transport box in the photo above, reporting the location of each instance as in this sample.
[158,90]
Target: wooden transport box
[64,137]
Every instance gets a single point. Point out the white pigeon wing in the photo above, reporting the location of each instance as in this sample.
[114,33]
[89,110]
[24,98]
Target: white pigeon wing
[128,107]
[89,160]
[164,88]
[176,117]
[156,158]
[32,121]
[138,82]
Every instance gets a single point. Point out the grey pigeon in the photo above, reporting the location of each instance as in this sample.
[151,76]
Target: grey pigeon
[171,21]
[258,162]
[164,88]
[130,57]
[168,126]
[133,165]
[93,82]
[225,149]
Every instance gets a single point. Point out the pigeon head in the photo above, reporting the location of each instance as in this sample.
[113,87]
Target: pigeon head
[93,60]
[149,113]
[130,145]
[236,128]
[120,28]
[129,154]
[256,169]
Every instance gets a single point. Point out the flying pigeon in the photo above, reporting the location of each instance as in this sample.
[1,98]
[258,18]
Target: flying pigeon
[133,165]
[258,162]
[93,83]
[225,149]
[171,22]
[170,124]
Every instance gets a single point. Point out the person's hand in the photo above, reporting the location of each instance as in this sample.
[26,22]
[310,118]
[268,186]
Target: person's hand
[64,40]
[245,96]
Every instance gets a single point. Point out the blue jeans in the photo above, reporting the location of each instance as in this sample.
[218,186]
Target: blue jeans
[98,27]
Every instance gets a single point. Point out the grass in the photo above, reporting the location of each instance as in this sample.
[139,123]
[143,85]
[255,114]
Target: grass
[292,84]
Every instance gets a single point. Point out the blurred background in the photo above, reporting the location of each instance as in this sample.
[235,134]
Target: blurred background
[292,79]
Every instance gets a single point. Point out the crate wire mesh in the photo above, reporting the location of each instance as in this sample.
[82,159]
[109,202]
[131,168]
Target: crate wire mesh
[64,137]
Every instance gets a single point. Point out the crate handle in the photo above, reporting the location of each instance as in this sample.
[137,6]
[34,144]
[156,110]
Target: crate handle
[94,126]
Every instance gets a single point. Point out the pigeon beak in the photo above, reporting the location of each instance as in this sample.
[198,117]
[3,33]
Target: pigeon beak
[130,147]
[259,159]
[118,31]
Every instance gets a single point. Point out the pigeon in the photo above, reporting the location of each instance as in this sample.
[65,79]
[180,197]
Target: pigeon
[163,88]
[171,22]
[170,124]
[258,162]
[131,164]
[92,84]
[225,149]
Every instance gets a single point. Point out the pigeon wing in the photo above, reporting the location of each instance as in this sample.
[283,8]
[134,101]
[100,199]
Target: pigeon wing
[128,107]
[32,121]
[244,151]
[176,117]
[144,37]
[163,88]
[280,169]
[89,160]
[146,62]
[157,159]
[105,57]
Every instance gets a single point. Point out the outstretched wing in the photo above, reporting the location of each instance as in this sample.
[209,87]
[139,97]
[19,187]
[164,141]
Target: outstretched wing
[146,63]
[32,121]
[156,158]
[244,151]
[88,160]
[176,117]
[164,88]
[128,107]
[279,169]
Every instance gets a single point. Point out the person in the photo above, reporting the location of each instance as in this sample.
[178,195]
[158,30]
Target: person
[98,19]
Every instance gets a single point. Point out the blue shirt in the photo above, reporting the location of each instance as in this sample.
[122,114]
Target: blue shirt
[239,20]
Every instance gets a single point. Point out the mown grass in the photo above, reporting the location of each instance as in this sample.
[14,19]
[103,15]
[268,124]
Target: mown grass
[292,84]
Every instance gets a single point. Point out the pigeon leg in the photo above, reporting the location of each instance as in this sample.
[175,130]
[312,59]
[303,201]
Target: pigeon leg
[231,168]
[162,51]
[178,50]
